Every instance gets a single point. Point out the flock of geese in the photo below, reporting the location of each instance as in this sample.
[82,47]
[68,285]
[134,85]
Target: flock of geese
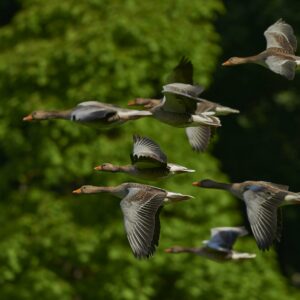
[181,106]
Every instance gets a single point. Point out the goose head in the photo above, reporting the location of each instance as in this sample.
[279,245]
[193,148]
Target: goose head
[206,183]
[234,61]
[175,249]
[147,103]
[107,167]
[36,115]
[86,189]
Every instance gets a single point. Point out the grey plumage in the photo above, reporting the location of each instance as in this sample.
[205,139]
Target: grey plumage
[146,151]
[182,107]
[141,220]
[148,161]
[279,55]
[281,35]
[219,247]
[93,113]
[140,205]
[223,238]
[183,72]
[262,200]
[198,137]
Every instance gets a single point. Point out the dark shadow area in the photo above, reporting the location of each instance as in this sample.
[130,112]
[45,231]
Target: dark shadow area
[8,8]
[262,143]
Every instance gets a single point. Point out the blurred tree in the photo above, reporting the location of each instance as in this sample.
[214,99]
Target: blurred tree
[54,245]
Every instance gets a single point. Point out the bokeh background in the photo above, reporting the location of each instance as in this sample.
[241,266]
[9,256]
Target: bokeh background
[55,54]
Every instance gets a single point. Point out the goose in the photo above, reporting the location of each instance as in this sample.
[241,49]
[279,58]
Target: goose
[219,247]
[91,113]
[140,205]
[183,73]
[279,56]
[148,161]
[262,201]
[178,109]
[176,106]
[205,106]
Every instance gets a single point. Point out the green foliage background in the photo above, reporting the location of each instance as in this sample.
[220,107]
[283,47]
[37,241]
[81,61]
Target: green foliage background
[54,245]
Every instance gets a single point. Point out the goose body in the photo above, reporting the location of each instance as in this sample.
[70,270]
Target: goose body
[262,201]
[279,56]
[178,108]
[219,247]
[140,205]
[179,105]
[94,113]
[148,161]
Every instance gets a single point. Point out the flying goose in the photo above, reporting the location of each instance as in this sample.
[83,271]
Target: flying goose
[92,113]
[219,247]
[262,201]
[176,107]
[279,56]
[205,106]
[141,205]
[148,161]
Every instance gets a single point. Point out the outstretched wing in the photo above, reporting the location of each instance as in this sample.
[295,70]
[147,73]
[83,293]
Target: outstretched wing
[183,72]
[92,111]
[262,205]
[281,35]
[223,238]
[96,104]
[278,186]
[198,137]
[281,65]
[205,106]
[140,209]
[146,153]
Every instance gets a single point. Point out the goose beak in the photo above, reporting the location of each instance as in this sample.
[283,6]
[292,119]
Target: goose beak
[196,183]
[28,118]
[168,250]
[131,103]
[98,168]
[78,191]
[226,63]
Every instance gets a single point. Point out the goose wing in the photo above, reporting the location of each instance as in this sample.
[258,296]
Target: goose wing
[281,65]
[97,104]
[281,35]
[141,214]
[205,106]
[262,204]
[181,98]
[91,111]
[183,72]
[198,137]
[223,238]
[278,186]
[147,154]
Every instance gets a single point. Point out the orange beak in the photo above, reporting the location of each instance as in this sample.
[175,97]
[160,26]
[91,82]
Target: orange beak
[196,183]
[28,118]
[131,103]
[226,63]
[168,250]
[98,168]
[78,191]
